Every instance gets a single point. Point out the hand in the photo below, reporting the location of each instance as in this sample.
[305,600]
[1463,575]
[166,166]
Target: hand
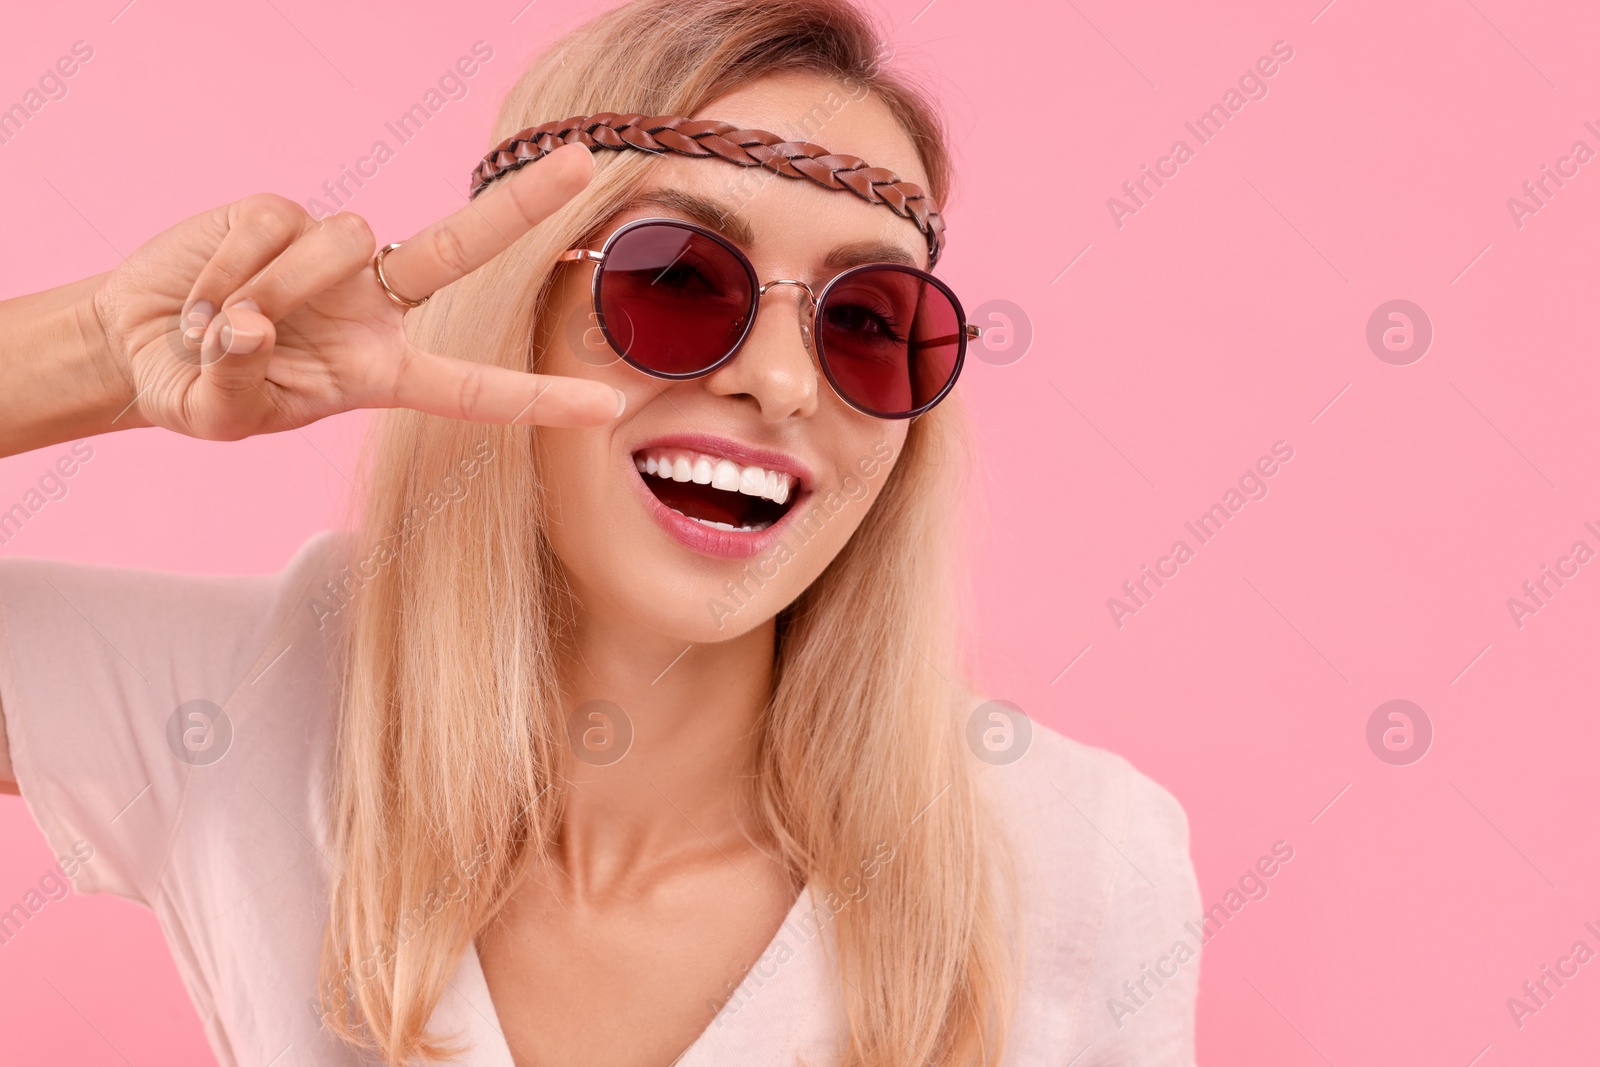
[256,318]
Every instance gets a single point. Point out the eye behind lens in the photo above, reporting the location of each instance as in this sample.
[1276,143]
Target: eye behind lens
[686,296]
[890,365]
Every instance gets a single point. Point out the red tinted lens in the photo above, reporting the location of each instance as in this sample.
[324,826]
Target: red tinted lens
[674,301]
[891,340]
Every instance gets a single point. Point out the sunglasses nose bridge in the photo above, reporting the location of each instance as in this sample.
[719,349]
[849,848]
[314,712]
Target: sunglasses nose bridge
[788,281]
[806,307]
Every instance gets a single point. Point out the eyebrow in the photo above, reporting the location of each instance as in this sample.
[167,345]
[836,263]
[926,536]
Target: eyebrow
[719,217]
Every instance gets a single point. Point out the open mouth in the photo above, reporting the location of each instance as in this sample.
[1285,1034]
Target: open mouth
[715,491]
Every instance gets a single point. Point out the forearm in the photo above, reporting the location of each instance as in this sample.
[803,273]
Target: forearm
[58,379]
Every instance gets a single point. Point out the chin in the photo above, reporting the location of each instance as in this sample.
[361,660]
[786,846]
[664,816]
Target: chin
[664,593]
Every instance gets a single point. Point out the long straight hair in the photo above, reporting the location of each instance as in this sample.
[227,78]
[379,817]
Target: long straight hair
[447,780]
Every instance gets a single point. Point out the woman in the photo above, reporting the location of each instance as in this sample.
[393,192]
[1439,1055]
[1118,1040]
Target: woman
[628,728]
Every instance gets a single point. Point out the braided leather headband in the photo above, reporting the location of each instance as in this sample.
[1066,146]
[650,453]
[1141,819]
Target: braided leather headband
[661,134]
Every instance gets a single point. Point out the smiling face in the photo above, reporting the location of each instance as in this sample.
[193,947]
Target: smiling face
[714,502]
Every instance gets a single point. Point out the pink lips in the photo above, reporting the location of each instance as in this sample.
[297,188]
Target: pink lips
[723,544]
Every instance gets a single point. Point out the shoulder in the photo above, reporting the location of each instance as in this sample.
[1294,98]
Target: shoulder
[1065,801]
[1106,888]
[141,596]
[67,625]
[121,686]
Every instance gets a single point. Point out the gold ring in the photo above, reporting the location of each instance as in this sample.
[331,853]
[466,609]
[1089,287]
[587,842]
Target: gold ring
[377,266]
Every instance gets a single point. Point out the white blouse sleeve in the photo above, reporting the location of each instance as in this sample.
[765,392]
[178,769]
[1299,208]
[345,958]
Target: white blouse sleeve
[1140,1004]
[1109,891]
[115,685]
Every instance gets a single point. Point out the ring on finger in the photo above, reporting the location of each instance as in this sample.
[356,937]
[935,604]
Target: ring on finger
[377,266]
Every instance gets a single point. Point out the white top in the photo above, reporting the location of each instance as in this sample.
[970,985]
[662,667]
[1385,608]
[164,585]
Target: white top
[95,663]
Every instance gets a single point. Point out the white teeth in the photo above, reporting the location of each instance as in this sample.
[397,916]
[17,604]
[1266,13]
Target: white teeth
[752,481]
[725,475]
[682,465]
[727,526]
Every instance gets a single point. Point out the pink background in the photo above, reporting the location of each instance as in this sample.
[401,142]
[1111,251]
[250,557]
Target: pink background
[1227,314]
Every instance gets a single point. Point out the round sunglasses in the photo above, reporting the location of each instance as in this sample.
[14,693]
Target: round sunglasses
[676,301]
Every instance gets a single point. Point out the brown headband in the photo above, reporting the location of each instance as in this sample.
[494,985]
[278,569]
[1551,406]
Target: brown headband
[708,137]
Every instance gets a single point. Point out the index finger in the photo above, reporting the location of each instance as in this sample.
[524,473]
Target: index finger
[465,240]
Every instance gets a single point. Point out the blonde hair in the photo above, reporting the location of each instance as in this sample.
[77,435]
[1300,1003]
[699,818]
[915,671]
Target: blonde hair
[448,770]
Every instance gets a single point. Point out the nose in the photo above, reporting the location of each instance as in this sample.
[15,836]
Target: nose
[775,368]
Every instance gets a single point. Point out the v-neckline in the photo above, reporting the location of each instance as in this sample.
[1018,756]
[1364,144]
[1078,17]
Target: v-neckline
[472,1009]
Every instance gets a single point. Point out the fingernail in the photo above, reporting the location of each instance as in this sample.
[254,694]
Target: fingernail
[248,304]
[622,403]
[195,318]
[239,342]
[199,313]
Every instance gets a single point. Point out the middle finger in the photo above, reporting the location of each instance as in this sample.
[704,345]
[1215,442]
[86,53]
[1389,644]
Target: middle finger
[334,249]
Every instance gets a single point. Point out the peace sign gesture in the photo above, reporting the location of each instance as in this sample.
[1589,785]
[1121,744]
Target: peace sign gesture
[256,318]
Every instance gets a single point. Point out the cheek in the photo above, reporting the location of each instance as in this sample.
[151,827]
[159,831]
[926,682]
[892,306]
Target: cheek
[573,345]
[867,456]
[572,471]
[569,334]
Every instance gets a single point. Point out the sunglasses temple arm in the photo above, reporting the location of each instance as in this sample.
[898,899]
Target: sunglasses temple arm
[968,331]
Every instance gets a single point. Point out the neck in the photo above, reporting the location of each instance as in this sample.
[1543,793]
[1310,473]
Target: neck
[684,782]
